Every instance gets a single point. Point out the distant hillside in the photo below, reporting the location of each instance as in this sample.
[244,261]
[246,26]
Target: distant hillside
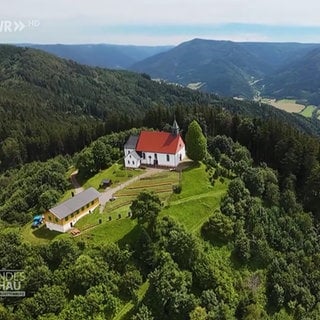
[223,67]
[300,79]
[50,106]
[102,55]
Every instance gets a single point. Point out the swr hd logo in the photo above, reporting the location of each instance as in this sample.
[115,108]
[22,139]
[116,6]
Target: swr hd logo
[11,283]
[9,26]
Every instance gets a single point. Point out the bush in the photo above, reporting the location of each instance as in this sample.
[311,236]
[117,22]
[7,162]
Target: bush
[120,173]
[177,188]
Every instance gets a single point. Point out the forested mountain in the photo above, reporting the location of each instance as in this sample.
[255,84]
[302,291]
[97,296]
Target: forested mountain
[223,67]
[101,55]
[300,79]
[50,106]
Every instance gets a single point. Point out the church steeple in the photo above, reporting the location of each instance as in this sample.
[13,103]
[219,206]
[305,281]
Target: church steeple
[175,130]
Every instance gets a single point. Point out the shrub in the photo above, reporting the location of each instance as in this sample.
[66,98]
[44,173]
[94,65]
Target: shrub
[177,188]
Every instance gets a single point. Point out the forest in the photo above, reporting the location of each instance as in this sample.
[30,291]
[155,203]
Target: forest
[267,222]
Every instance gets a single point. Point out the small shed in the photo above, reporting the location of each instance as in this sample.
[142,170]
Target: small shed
[105,183]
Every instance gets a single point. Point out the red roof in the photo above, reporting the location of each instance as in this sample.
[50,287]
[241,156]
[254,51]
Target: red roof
[160,142]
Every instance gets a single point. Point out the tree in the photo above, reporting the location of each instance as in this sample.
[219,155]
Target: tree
[196,143]
[85,163]
[143,314]
[198,313]
[49,299]
[219,227]
[171,286]
[237,190]
[241,243]
[11,152]
[254,181]
[48,199]
[100,154]
[146,208]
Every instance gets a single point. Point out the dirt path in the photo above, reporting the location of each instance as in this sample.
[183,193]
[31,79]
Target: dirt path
[108,194]
[75,183]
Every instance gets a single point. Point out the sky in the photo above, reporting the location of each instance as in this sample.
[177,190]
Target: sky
[158,22]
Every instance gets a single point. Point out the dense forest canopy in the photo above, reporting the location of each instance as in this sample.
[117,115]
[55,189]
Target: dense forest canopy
[268,269]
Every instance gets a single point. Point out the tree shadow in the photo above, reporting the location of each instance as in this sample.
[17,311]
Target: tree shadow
[44,233]
[131,237]
[190,166]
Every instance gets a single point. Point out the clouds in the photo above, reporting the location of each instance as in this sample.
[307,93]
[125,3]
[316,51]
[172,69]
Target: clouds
[159,21]
[278,12]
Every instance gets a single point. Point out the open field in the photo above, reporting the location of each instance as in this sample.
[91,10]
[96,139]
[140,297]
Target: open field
[40,235]
[285,104]
[117,173]
[197,201]
[308,111]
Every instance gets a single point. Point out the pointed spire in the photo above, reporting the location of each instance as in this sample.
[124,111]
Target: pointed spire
[175,128]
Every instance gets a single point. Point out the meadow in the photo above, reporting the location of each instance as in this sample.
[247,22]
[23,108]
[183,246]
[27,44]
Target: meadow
[285,104]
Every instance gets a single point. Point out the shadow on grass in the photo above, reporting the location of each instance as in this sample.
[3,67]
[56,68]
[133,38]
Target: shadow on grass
[189,166]
[131,237]
[44,233]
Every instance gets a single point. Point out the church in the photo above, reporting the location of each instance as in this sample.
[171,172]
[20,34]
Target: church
[155,148]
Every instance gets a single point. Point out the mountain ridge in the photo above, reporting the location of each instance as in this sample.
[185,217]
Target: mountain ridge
[223,67]
[100,55]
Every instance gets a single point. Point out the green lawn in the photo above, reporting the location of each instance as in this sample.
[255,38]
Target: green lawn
[40,235]
[194,206]
[117,173]
[118,230]
[194,181]
[307,111]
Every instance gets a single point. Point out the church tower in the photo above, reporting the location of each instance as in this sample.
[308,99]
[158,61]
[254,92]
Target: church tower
[175,130]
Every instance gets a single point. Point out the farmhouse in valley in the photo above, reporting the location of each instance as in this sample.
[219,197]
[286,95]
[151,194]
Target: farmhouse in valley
[154,148]
[64,216]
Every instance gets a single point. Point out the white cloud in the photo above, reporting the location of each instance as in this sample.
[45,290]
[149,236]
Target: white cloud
[83,21]
[167,11]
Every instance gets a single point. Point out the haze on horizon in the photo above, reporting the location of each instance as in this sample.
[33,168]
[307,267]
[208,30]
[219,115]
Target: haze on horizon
[165,22]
